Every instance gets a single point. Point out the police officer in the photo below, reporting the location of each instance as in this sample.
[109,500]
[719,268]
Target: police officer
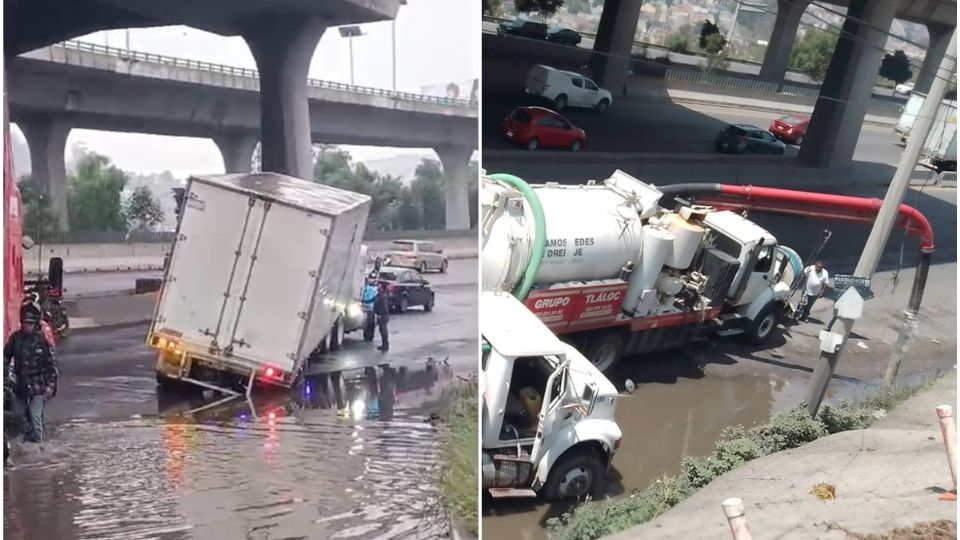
[381,306]
[31,362]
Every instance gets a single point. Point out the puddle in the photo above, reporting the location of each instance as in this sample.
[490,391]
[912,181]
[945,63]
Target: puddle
[662,423]
[350,457]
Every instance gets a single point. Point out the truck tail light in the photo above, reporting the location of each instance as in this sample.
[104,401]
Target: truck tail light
[272,373]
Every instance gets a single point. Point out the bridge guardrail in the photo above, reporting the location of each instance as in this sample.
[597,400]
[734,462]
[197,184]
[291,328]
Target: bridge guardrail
[126,54]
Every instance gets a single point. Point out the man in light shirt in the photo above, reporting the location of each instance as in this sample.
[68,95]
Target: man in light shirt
[816,281]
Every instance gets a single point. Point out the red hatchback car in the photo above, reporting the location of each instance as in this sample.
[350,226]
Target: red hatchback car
[536,127]
[790,129]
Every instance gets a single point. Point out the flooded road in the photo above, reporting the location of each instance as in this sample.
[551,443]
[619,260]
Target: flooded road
[666,419]
[353,456]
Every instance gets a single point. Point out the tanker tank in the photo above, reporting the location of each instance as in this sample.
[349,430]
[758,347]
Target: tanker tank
[593,231]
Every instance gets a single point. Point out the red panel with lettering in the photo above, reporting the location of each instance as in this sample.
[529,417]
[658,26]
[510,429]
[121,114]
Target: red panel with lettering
[578,308]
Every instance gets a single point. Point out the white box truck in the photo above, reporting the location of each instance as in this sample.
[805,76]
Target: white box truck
[908,115]
[258,275]
[940,149]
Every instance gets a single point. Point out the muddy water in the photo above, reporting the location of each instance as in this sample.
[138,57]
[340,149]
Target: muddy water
[351,457]
[662,423]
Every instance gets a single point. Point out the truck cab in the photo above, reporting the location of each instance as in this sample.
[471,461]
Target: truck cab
[548,426]
[761,272]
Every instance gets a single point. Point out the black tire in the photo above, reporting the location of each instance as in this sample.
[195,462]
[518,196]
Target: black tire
[167,383]
[336,336]
[428,307]
[423,267]
[443,267]
[604,351]
[763,325]
[403,304]
[603,105]
[533,144]
[560,102]
[575,147]
[799,141]
[577,474]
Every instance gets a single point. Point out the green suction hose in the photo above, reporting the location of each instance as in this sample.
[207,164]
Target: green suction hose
[540,231]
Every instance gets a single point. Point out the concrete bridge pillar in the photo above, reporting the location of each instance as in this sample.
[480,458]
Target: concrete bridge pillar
[47,139]
[937,47]
[237,151]
[456,161]
[614,42]
[775,60]
[283,48]
[847,88]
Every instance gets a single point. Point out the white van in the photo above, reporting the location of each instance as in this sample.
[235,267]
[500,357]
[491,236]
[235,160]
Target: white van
[565,88]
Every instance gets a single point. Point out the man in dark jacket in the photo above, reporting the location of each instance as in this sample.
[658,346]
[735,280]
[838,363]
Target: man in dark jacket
[31,362]
[381,306]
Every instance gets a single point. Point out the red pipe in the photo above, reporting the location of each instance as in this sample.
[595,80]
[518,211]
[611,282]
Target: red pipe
[819,205]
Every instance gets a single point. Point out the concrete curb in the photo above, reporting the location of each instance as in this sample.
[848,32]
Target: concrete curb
[778,110]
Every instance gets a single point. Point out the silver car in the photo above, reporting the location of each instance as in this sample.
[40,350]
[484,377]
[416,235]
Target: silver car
[418,254]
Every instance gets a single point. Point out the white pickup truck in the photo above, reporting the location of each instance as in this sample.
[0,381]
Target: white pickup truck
[258,277]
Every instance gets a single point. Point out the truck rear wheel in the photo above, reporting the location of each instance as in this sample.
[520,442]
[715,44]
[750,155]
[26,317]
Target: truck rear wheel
[604,351]
[762,326]
[575,475]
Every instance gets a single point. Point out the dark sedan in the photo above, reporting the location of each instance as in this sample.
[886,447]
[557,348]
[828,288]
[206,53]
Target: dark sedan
[747,139]
[405,288]
[523,28]
[563,36]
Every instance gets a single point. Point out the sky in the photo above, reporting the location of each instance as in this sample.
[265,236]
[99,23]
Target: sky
[422,26]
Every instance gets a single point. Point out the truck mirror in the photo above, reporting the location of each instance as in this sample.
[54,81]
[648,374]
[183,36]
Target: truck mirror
[26,242]
[589,398]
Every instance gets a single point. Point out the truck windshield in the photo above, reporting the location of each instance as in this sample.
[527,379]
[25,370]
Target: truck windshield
[387,276]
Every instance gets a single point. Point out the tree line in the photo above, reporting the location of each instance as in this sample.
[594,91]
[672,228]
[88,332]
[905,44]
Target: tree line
[97,201]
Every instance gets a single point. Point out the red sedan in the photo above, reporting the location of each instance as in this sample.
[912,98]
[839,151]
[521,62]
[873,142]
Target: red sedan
[790,129]
[536,127]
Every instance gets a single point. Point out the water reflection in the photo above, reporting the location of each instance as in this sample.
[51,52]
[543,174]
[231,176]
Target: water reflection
[349,455]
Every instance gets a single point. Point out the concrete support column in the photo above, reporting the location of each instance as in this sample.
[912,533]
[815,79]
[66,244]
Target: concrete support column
[784,34]
[847,88]
[456,161]
[47,139]
[282,48]
[614,42]
[936,48]
[237,151]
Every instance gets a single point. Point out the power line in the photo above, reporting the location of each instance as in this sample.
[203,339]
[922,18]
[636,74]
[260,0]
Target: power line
[857,39]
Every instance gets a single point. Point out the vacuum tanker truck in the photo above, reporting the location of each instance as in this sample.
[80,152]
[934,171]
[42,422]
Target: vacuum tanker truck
[613,273]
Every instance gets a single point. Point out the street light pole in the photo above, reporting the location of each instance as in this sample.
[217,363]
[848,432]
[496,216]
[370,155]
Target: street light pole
[350,32]
[350,41]
[873,249]
[393,38]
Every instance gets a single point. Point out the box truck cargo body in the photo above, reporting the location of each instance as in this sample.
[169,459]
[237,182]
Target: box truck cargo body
[260,270]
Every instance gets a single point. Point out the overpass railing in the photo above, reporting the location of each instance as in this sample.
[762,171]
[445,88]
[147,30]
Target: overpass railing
[755,85]
[126,54]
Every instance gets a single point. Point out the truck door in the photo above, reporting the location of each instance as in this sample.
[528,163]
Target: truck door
[760,276]
[554,409]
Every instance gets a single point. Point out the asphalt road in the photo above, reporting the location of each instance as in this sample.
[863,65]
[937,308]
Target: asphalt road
[647,127]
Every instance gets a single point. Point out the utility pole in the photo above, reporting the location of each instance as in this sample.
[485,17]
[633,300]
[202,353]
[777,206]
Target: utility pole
[827,362]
